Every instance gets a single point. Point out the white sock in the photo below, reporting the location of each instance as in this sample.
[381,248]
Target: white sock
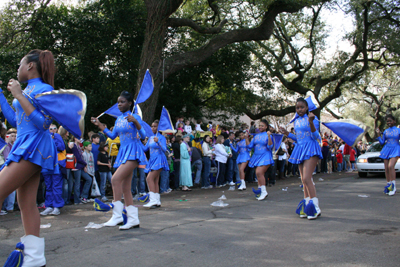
[263,189]
[394,182]
[307,200]
[242,180]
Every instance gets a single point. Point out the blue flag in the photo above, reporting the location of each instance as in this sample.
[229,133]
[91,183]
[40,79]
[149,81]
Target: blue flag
[146,89]
[277,140]
[113,111]
[348,130]
[147,128]
[70,113]
[165,121]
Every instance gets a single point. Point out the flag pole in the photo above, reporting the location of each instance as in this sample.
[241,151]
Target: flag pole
[100,115]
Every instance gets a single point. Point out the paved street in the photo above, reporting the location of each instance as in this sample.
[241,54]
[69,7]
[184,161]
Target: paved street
[353,230]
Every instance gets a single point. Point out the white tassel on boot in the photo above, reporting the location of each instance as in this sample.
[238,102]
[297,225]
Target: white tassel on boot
[317,209]
[153,201]
[34,251]
[264,193]
[242,185]
[133,218]
[117,214]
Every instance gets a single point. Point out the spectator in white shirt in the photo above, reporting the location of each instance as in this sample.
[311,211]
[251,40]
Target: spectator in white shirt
[221,157]
[188,128]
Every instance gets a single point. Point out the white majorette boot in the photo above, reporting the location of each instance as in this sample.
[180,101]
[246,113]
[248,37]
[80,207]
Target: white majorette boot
[242,185]
[393,191]
[117,214]
[153,201]
[133,218]
[34,251]
[312,209]
[264,193]
[158,198]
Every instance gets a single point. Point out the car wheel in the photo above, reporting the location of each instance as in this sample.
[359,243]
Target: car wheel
[362,174]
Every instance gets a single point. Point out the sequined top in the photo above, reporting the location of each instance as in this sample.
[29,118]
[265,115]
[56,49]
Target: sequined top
[391,136]
[126,131]
[241,147]
[303,130]
[260,144]
[37,120]
[156,148]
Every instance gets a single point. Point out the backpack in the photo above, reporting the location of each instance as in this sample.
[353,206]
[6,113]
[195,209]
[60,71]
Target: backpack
[71,161]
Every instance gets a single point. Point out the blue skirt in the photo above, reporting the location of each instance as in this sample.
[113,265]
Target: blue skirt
[243,157]
[157,162]
[390,151]
[305,151]
[131,151]
[38,148]
[261,160]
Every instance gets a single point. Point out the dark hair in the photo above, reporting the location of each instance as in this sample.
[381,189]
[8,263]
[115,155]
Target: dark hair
[178,139]
[102,146]
[156,121]
[199,121]
[390,116]
[237,134]
[252,123]
[265,122]
[171,137]
[128,96]
[44,61]
[301,99]
[95,135]
[205,137]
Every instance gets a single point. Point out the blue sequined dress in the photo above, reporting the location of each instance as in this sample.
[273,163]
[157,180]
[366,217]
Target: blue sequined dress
[390,141]
[262,151]
[307,142]
[243,150]
[34,142]
[130,148]
[157,160]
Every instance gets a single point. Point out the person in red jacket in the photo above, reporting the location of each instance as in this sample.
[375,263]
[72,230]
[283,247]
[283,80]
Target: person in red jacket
[339,160]
[353,158]
[346,157]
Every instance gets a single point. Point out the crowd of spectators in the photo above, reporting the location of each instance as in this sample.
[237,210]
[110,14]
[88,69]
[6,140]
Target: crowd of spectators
[87,165]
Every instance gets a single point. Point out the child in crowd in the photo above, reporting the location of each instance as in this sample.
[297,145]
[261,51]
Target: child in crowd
[87,156]
[104,164]
[339,160]
[188,128]
[198,127]
[180,127]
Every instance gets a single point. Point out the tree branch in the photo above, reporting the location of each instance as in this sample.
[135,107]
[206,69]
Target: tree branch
[180,22]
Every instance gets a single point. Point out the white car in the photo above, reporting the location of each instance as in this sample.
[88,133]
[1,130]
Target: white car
[370,162]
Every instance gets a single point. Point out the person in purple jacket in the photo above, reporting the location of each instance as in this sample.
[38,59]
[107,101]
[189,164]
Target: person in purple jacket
[54,182]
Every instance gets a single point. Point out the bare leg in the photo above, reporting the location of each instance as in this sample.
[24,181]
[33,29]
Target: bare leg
[27,202]
[242,167]
[23,176]
[121,182]
[391,167]
[260,172]
[387,173]
[308,169]
[152,181]
[306,193]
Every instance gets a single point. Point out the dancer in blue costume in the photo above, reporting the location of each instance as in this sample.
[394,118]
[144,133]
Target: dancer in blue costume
[390,152]
[34,150]
[262,157]
[243,157]
[157,162]
[306,154]
[130,155]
